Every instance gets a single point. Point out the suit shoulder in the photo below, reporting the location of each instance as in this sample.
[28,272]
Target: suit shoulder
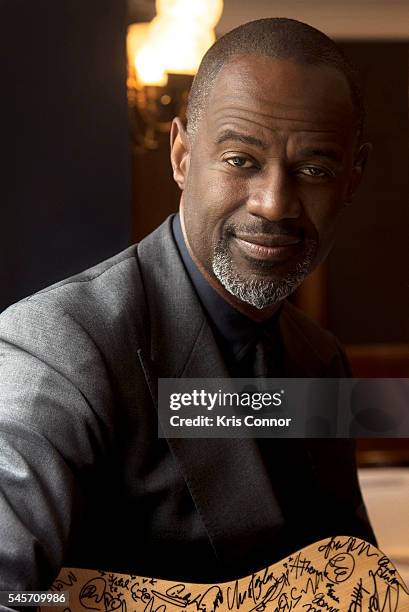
[102,275]
[103,298]
[107,282]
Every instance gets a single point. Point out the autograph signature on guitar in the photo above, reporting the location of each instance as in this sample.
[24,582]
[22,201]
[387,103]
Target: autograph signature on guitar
[339,574]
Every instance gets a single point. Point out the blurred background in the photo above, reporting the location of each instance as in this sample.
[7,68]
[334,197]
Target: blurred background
[84,121]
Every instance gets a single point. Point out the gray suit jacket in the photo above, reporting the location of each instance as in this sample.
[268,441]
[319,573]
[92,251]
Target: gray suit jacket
[84,479]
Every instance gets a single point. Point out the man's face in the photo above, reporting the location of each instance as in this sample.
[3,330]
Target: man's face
[267,174]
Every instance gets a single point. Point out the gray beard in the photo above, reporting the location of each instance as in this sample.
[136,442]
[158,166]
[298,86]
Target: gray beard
[260,292]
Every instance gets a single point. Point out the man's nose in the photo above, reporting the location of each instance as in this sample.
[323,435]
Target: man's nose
[273,196]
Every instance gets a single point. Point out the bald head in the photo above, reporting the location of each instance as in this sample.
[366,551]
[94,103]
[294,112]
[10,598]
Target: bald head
[277,38]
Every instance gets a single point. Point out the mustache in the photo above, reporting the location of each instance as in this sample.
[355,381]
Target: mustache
[286,227]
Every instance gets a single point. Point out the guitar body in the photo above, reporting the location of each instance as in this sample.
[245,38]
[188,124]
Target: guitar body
[338,574]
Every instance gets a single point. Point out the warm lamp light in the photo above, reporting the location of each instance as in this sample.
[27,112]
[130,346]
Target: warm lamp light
[173,43]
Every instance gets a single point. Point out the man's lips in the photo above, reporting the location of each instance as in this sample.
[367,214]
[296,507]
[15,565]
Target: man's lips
[269,240]
[270,247]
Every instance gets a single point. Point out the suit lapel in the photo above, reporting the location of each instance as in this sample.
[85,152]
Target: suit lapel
[227,478]
[176,317]
[309,351]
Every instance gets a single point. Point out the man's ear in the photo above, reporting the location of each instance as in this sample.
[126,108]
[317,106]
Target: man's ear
[179,152]
[360,160]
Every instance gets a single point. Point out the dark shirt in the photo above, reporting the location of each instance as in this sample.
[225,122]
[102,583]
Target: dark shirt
[236,335]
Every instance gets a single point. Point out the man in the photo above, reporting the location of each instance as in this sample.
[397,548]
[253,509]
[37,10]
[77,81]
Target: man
[270,156]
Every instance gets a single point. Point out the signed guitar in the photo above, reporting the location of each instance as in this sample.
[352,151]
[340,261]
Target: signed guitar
[339,574]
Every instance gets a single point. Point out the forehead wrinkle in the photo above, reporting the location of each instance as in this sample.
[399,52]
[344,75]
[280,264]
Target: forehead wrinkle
[245,102]
[250,110]
[236,123]
[230,113]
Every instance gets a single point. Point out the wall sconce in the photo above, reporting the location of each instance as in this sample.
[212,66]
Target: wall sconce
[163,57]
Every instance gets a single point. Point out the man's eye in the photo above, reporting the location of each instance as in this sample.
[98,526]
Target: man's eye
[313,172]
[240,162]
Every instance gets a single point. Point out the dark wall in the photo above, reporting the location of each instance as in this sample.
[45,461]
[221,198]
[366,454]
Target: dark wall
[368,280]
[65,200]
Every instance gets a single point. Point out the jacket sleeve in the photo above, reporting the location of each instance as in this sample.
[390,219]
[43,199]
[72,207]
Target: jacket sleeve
[52,379]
